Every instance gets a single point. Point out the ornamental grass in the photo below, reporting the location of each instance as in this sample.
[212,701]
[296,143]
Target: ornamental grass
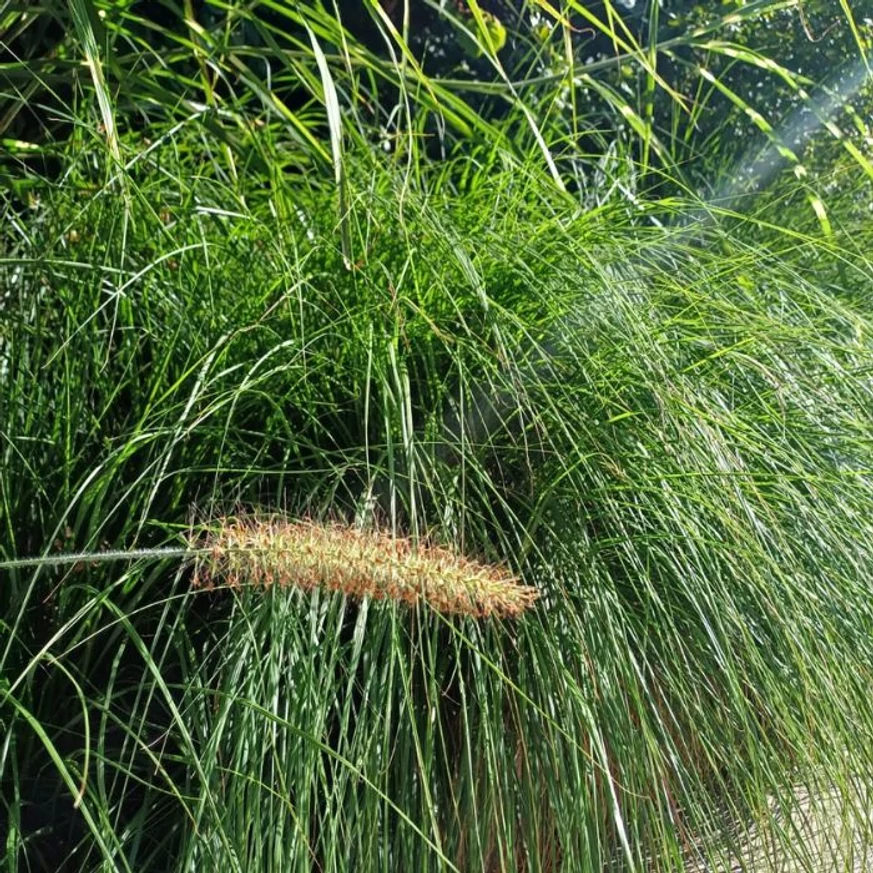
[263,552]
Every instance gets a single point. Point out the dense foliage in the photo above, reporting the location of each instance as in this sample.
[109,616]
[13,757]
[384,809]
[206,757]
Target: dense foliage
[483,278]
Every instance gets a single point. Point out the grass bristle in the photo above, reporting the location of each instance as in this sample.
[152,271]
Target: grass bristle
[263,552]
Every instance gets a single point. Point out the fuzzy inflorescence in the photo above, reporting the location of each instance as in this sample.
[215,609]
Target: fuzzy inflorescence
[263,552]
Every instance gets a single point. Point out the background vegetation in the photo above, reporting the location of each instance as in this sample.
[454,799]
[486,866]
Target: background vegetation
[582,290]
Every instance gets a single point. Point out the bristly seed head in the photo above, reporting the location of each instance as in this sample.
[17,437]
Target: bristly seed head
[266,551]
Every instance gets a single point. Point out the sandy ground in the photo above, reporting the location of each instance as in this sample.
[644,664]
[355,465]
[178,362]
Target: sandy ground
[830,832]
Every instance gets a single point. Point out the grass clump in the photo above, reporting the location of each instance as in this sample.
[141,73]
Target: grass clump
[655,413]
[660,431]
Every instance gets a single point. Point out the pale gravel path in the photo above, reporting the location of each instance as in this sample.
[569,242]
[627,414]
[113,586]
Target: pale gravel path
[833,834]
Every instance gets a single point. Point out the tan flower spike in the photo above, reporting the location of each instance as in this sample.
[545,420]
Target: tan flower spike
[278,551]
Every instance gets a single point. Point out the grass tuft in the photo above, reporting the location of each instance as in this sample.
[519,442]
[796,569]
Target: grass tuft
[247,280]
